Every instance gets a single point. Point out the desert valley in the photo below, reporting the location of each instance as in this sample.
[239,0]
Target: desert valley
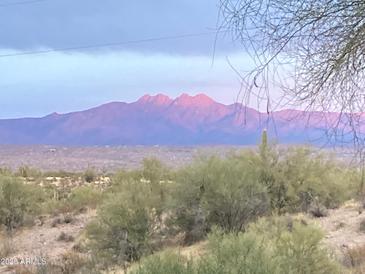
[182,137]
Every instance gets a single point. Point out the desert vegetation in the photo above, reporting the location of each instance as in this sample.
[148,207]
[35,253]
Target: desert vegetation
[252,211]
[272,245]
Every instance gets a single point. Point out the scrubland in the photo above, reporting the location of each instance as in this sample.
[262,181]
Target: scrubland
[261,210]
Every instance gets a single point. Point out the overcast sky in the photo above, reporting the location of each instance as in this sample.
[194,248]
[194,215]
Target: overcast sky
[36,85]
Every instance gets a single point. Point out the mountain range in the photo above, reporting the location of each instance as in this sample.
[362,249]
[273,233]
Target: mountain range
[160,120]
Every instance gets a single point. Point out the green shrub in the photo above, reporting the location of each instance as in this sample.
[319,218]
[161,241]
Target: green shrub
[5,171]
[154,175]
[300,178]
[270,246]
[89,175]
[296,247]
[129,218]
[229,193]
[55,207]
[125,175]
[123,226]
[153,170]
[84,196]
[158,175]
[234,191]
[28,172]
[237,253]
[57,200]
[165,263]
[312,177]
[215,191]
[17,200]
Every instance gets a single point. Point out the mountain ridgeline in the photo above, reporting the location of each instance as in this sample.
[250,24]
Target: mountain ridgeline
[160,120]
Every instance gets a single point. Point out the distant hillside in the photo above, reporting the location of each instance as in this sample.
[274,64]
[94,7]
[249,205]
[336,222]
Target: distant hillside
[186,120]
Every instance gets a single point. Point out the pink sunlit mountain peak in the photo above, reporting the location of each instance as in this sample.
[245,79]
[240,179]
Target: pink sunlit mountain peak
[200,100]
[159,119]
[158,99]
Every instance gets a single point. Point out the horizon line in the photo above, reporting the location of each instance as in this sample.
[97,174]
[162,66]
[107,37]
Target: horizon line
[183,95]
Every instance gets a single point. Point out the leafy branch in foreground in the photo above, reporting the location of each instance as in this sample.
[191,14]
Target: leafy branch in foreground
[311,50]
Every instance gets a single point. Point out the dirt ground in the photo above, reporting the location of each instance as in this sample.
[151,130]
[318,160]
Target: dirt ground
[43,239]
[342,228]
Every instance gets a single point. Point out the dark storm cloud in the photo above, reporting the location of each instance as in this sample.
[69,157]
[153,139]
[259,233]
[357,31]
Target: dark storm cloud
[68,23]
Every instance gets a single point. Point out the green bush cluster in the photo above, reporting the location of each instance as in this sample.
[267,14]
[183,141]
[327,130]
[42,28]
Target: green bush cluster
[222,198]
[298,178]
[77,199]
[216,191]
[127,224]
[145,207]
[121,232]
[84,197]
[5,171]
[233,191]
[167,262]
[270,246]
[28,172]
[18,200]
